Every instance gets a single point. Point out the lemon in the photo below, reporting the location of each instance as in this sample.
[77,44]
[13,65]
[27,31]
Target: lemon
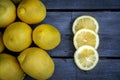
[17,36]
[36,63]
[2,47]
[86,57]
[7,13]
[9,68]
[86,37]
[46,36]
[85,22]
[31,11]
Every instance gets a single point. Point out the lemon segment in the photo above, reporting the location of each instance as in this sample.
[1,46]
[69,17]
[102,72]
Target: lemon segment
[85,22]
[86,57]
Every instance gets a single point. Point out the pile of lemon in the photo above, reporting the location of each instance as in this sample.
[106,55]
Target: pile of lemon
[18,37]
[86,42]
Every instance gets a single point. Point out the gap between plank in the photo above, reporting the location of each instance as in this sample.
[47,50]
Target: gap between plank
[61,57]
[83,10]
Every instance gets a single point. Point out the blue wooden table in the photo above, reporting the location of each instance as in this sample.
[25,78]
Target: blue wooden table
[62,13]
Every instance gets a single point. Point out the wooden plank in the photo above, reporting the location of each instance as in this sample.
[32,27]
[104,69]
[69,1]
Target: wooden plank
[109,32]
[82,4]
[65,69]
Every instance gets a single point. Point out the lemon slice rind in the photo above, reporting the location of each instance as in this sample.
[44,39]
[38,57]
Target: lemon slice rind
[82,17]
[86,30]
[82,65]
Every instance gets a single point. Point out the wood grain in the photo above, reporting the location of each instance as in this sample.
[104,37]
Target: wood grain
[82,4]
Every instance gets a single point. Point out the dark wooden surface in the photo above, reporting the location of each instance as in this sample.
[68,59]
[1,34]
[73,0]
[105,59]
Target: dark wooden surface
[82,4]
[62,13]
[109,32]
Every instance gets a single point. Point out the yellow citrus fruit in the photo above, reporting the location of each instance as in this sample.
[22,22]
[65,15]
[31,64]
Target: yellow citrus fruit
[86,57]
[2,47]
[36,63]
[7,13]
[9,68]
[46,36]
[85,22]
[17,36]
[86,37]
[31,11]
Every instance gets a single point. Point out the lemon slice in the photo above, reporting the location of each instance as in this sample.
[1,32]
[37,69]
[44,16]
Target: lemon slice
[85,22]
[86,57]
[86,37]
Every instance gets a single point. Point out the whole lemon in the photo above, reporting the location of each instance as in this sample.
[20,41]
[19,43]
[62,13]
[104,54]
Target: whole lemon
[36,63]
[31,11]
[7,13]
[9,68]
[46,36]
[2,47]
[17,36]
